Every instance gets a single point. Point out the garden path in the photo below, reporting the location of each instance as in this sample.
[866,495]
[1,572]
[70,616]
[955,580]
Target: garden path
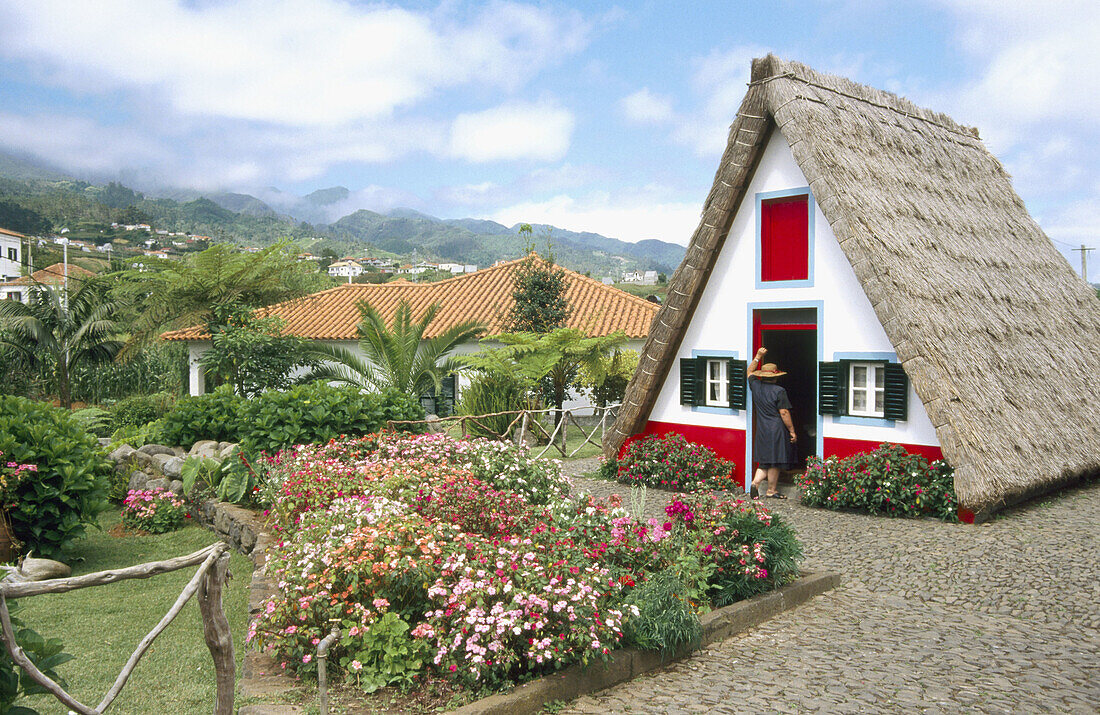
[930,617]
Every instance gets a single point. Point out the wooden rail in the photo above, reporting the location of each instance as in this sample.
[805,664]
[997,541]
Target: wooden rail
[525,421]
[207,583]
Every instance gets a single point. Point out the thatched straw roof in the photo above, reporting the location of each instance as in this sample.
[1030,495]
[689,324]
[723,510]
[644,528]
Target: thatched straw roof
[1000,338]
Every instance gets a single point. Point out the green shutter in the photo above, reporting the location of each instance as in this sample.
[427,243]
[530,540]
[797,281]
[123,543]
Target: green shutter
[896,402]
[445,404]
[832,388]
[687,381]
[735,371]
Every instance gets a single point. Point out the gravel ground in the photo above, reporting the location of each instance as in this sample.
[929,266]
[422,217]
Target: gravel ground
[931,617]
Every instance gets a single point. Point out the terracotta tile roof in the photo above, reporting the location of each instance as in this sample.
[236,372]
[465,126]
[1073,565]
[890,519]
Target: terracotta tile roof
[485,296]
[52,275]
[9,232]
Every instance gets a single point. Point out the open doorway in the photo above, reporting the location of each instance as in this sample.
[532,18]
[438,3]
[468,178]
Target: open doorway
[790,337]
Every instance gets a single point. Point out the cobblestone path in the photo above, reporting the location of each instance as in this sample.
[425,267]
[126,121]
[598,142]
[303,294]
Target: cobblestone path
[931,617]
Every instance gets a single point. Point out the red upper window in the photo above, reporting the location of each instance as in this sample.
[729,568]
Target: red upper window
[784,239]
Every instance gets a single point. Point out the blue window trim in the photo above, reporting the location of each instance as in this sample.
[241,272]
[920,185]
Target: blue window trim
[810,211]
[819,305]
[873,356]
[714,354]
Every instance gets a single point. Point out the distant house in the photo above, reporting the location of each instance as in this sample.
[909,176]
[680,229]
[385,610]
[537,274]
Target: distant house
[55,275]
[332,315]
[457,268]
[880,254]
[11,254]
[646,278]
[345,269]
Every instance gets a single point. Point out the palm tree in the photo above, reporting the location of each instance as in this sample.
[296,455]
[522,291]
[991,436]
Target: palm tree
[64,329]
[397,356]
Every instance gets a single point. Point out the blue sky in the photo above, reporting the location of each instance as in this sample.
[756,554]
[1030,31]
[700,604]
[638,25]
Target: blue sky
[588,115]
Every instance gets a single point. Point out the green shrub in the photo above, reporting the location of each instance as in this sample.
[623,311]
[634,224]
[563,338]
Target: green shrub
[316,413]
[669,461]
[95,420]
[136,436]
[887,481]
[213,416]
[666,618]
[70,487]
[489,393]
[45,653]
[384,654]
[142,409]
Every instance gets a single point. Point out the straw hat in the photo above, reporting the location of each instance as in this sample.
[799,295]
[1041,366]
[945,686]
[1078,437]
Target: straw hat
[768,369]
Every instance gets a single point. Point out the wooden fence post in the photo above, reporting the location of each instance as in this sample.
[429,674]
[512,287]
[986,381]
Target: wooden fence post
[219,639]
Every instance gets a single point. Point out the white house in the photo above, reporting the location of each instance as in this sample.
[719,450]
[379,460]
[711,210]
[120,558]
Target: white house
[485,296]
[880,254]
[11,254]
[345,269]
[458,268]
[57,275]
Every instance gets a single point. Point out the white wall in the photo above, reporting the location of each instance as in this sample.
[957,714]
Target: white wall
[847,322]
[10,269]
[195,351]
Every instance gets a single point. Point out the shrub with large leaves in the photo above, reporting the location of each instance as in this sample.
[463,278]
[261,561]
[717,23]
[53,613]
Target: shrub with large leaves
[70,487]
[210,416]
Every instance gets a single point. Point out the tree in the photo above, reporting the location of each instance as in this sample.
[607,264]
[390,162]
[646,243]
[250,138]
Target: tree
[176,294]
[252,354]
[18,218]
[606,378]
[395,357]
[546,363]
[62,330]
[539,292]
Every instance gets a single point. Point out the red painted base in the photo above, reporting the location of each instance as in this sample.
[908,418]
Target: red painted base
[847,447]
[726,443]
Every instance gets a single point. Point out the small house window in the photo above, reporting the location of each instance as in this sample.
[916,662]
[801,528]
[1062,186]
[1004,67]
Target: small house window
[717,383]
[867,389]
[13,254]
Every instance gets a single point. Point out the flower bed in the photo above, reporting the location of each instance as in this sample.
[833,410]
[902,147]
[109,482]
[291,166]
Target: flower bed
[461,559]
[887,481]
[157,511]
[670,462]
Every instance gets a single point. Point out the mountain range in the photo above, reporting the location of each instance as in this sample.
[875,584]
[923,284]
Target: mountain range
[248,219]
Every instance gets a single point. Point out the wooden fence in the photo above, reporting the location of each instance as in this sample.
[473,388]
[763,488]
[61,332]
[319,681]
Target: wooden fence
[207,583]
[526,422]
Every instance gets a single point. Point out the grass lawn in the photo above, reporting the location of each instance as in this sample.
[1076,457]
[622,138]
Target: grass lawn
[101,626]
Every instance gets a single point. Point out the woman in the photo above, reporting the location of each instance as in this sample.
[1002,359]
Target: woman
[773,437]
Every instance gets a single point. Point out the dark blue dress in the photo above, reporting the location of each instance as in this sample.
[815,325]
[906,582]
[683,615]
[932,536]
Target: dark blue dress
[771,442]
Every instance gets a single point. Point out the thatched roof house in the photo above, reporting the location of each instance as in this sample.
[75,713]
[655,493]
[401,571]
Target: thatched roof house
[997,335]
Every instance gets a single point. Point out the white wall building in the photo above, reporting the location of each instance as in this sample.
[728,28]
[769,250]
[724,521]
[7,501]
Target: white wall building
[11,254]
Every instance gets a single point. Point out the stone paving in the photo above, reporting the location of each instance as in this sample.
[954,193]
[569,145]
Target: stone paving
[931,617]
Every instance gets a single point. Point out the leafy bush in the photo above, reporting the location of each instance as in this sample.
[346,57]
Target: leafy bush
[666,619]
[210,416]
[70,486]
[157,511]
[95,421]
[488,393]
[887,481]
[142,409]
[385,654]
[136,437]
[316,413]
[45,653]
[671,462]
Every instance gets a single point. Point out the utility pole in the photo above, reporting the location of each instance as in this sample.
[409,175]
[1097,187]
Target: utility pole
[1084,260]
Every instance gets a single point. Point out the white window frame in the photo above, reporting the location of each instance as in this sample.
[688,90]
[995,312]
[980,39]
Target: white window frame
[869,389]
[722,382]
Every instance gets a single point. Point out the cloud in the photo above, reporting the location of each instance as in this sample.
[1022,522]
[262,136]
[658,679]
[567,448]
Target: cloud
[632,216]
[645,107]
[306,63]
[513,131]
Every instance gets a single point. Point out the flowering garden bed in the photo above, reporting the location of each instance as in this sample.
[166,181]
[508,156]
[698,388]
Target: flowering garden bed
[463,560]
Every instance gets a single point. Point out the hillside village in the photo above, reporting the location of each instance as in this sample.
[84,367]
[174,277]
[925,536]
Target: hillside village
[815,427]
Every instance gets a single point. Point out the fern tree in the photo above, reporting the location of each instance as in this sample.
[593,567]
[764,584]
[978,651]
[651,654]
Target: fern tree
[397,356]
[61,331]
